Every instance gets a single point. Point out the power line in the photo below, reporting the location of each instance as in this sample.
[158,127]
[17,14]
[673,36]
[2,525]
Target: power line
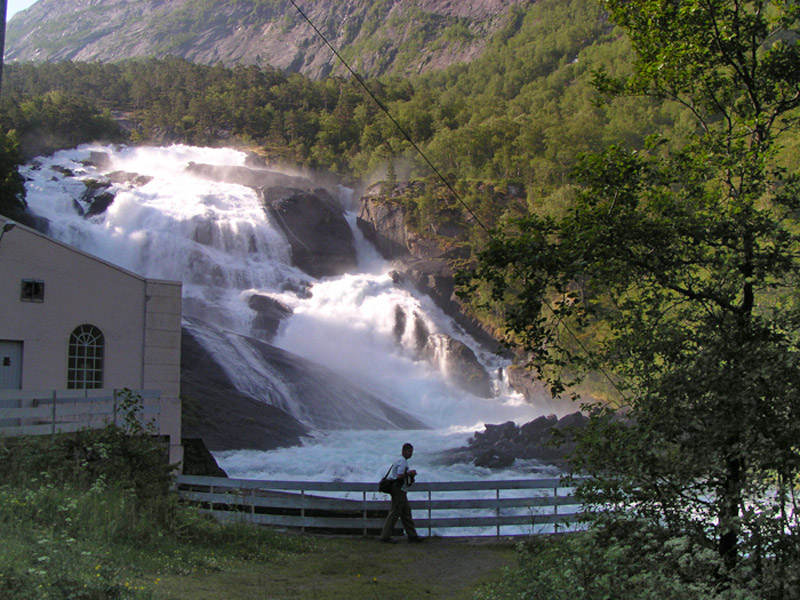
[391,118]
[438,174]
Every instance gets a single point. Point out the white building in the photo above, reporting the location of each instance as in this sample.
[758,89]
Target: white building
[69,320]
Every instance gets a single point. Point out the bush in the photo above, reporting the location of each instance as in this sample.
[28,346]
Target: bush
[628,560]
[86,515]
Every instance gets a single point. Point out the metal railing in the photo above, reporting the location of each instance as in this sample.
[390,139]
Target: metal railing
[455,508]
[48,412]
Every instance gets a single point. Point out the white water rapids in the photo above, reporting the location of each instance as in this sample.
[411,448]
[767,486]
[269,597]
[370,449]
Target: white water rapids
[345,324]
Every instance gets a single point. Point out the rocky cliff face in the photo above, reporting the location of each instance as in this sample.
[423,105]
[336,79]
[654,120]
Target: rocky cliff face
[397,36]
[424,262]
[315,227]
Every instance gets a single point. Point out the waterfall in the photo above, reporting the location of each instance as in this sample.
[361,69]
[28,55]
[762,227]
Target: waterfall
[218,240]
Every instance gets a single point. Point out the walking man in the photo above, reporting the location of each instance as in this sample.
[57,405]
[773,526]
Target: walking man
[403,478]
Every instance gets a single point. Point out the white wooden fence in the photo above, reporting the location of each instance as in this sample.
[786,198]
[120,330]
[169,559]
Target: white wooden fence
[462,508]
[48,412]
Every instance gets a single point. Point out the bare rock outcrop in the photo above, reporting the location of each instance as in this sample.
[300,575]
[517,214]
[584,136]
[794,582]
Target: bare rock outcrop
[452,357]
[498,446]
[269,315]
[261,33]
[314,225]
[421,261]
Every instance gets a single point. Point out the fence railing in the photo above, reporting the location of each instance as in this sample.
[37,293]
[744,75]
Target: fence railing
[48,412]
[455,508]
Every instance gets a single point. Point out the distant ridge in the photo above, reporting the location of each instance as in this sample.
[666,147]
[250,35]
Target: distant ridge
[377,37]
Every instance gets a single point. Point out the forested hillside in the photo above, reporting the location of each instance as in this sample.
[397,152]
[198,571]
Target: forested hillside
[505,129]
[520,114]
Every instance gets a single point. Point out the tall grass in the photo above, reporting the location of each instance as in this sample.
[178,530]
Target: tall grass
[91,516]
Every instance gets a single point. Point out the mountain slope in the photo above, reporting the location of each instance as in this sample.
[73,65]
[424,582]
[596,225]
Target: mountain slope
[375,36]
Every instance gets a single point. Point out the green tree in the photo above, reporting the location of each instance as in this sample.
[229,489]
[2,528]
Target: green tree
[12,185]
[674,274]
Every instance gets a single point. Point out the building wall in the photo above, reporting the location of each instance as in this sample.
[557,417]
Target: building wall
[162,356]
[140,319]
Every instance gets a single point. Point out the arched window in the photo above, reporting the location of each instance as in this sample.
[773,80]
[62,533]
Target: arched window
[85,362]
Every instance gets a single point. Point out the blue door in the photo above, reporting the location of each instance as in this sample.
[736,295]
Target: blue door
[10,365]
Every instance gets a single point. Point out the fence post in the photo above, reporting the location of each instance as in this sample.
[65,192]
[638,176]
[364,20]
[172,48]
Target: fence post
[364,511]
[497,510]
[555,508]
[302,511]
[536,504]
[429,512]
[53,417]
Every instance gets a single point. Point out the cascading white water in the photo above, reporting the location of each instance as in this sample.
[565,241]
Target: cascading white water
[217,239]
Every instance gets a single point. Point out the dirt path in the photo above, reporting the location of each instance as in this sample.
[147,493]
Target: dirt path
[358,568]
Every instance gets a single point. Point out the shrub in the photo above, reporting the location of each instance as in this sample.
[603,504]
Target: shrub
[628,560]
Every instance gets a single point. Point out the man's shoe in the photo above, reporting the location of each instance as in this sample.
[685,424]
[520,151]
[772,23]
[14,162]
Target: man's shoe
[415,540]
[388,540]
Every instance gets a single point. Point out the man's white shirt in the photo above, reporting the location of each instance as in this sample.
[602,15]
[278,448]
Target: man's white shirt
[399,469]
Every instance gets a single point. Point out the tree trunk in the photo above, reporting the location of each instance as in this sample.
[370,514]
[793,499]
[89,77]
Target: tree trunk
[730,506]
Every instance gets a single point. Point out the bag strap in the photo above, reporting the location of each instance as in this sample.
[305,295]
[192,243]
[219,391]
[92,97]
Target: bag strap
[391,466]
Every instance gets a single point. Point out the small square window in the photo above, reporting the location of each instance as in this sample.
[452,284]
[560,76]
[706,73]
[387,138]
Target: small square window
[32,290]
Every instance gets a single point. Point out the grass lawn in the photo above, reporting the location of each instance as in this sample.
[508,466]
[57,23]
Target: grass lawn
[353,568]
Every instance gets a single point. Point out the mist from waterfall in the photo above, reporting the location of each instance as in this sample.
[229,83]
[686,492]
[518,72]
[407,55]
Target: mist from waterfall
[218,240]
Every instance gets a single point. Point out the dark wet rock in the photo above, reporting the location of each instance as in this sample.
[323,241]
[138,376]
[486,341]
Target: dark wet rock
[96,198]
[525,382]
[314,225]
[384,224]
[460,364]
[123,177]
[224,418]
[100,160]
[301,289]
[494,459]
[197,460]
[269,315]
[454,358]
[100,204]
[63,171]
[498,446]
[294,388]
[249,176]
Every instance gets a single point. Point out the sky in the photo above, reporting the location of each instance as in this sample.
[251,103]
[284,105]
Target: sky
[16,6]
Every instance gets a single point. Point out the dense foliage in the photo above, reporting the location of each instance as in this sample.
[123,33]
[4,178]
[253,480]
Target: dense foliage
[91,515]
[12,186]
[627,560]
[675,274]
